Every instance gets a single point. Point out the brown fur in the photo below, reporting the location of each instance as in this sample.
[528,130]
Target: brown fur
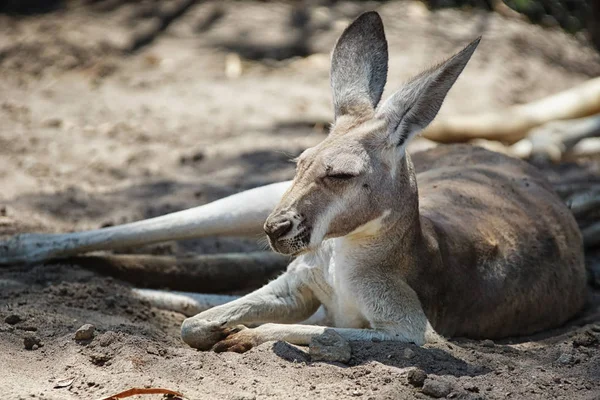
[506,255]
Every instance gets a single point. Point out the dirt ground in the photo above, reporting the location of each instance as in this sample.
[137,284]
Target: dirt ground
[103,123]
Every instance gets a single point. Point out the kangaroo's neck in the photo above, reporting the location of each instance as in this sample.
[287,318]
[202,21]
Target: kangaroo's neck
[396,235]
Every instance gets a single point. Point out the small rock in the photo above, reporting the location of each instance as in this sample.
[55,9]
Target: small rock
[52,123]
[107,338]
[243,396]
[31,341]
[585,339]
[13,319]
[488,343]
[472,388]
[416,377]
[100,358]
[436,388]
[565,358]
[86,332]
[194,158]
[409,353]
[329,346]
[29,328]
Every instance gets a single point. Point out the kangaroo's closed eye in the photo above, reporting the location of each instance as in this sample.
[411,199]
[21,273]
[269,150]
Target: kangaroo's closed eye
[342,176]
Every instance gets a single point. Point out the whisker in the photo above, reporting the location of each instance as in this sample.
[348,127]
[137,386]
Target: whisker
[263,243]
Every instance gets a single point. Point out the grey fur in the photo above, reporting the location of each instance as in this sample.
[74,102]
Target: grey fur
[415,105]
[359,66]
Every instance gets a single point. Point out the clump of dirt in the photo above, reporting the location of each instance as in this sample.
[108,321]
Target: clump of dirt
[95,135]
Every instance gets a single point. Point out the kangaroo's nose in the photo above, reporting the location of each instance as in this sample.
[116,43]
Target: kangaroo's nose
[278,227]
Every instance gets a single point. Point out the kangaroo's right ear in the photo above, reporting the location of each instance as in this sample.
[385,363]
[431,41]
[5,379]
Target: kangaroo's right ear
[359,66]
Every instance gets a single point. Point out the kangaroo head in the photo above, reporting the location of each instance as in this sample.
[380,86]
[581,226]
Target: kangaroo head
[358,174]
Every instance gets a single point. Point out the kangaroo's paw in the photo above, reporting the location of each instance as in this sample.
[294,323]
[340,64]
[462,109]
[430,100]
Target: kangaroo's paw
[239,340]
[202,334]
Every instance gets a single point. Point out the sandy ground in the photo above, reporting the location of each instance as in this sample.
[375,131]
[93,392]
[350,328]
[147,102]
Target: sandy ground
[92,135]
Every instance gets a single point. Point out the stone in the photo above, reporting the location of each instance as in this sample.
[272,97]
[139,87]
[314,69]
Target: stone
[52,123]
[329,346]
[13,319]
[436,388]
[488,343]
[565,358]
[32,342]
[416,377]
[86,332]
[585,339]
[107,338]
[409,353]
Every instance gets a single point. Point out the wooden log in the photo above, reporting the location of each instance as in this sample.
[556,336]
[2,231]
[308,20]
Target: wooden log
[513,124]
[207,274]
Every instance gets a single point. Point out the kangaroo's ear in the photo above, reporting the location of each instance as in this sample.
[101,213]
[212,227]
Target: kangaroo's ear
[359,65]
[413,107]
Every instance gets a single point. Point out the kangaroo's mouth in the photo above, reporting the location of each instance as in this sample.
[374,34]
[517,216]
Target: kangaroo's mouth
[294,245]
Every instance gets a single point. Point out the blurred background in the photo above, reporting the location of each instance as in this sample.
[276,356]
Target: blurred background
[113,110]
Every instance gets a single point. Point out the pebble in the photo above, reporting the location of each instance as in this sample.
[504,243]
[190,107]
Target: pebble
[409,353]
[436,388]
[565,358]
[13,319]
[32,342]
[488,343]
[585,339]
[86,332]
[243,396]
[416,377]
[329,346]
[52,123]
[107,338]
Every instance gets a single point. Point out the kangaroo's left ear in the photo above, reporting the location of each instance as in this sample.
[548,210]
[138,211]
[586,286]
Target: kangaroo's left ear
[413,107]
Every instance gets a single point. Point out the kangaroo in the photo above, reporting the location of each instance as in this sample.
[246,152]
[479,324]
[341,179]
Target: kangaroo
[476,245]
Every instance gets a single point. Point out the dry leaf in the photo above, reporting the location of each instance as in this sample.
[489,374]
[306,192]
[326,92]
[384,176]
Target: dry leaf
[63,383]
[136,391]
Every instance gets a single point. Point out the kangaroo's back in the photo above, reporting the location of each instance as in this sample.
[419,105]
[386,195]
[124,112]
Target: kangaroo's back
[510,251]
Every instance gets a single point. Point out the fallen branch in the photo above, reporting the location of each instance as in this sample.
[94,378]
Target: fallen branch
[591,235]
[582,204]
[223,217]
[553,140]
[186,303]
[209,273]
[513,123]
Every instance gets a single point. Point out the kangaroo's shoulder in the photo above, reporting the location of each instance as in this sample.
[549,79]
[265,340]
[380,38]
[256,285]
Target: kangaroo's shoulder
[466,166]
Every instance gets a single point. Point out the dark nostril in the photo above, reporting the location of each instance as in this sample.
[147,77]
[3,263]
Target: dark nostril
[278,228]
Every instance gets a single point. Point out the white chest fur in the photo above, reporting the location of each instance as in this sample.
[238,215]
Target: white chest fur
[334,288]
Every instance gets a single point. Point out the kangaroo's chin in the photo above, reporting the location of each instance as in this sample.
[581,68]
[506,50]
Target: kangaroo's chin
[291,247]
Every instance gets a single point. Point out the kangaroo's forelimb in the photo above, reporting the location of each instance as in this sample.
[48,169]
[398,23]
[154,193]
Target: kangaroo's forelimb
[242,214]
